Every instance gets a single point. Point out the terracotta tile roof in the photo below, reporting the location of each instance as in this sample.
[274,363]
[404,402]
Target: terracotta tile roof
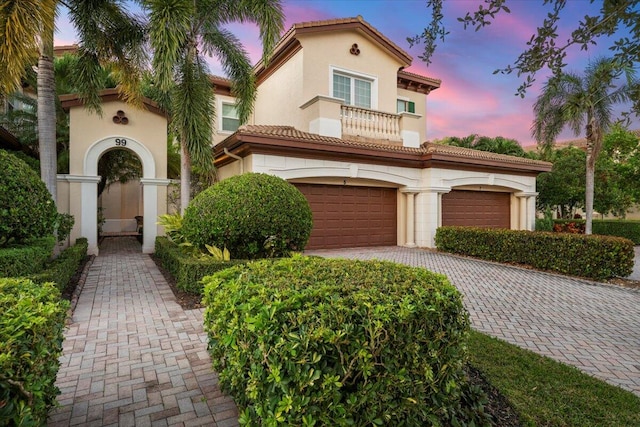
[419,78]
[470,153]
[291,133]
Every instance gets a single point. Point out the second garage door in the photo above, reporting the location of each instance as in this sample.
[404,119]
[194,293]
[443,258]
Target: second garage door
[347,216]
[476,208]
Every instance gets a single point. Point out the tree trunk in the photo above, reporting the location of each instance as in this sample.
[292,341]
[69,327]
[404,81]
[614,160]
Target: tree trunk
[589,190]
[47,116]
[594,145]
[185,177]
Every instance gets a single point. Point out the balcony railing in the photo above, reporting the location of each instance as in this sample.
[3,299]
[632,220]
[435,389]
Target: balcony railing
[370,124]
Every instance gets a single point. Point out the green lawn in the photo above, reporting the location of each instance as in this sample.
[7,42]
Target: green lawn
[548,393]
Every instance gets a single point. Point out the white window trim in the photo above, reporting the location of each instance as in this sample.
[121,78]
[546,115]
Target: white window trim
[219,114]
[350,73]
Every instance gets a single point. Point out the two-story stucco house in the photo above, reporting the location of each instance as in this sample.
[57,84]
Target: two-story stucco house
[337,115]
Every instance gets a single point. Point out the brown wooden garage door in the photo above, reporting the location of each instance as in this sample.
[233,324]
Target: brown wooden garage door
[345,216]
[476,208]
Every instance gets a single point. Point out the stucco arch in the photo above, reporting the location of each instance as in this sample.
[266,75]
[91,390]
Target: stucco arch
[488,181]
[89,189]
[91,157]
[354,171]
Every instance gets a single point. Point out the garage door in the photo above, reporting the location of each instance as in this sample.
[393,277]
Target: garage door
[345,216]
[476,208]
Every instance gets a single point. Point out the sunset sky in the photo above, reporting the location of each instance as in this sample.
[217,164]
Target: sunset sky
[471,99]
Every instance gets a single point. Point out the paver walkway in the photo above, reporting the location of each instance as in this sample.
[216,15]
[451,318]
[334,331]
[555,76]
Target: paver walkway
[132,356]
[591,326]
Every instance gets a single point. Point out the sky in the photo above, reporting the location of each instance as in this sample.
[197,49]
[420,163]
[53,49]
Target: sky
[471,99]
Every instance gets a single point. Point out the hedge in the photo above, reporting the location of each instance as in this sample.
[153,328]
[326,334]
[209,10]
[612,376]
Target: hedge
[31,334]
[26,258]
[253,215]
[185,269]
[596,257]
[610,227]
[27,210]
[61,270]
[313,341]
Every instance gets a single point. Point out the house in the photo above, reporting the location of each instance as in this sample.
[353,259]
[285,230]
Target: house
[337,115]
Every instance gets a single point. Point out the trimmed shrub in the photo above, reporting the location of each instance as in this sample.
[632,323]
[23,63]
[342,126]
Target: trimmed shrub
[312,341]
[627,229]
[253,215]
[31,334]
[606,227]
[27,258]
[185,269]
[596,257]
[61,270]
[27,210]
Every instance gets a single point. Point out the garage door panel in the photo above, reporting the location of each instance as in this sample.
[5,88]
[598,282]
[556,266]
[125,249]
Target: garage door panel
[347,216]
[476,208]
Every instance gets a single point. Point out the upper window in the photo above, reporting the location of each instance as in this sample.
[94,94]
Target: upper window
[354,90]
[405,106]
[230,120]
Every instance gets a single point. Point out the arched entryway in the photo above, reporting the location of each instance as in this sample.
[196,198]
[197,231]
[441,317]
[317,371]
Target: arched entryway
[149,189]
[144,133]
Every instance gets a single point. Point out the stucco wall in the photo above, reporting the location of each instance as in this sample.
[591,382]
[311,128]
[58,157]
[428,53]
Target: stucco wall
[425,185]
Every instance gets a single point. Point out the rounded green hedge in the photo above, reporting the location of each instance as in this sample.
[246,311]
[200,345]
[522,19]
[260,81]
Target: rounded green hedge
[27,210]
[253,215]
[313,341]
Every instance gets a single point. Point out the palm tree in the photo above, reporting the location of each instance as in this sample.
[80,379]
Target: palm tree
[584,103]
[107,34]
[182,33]
[499,145]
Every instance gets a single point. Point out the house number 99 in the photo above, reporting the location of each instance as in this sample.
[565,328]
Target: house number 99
[121,142]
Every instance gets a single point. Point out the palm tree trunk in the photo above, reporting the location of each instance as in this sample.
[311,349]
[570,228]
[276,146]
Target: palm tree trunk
[589,190]
[185,177]
[47,115]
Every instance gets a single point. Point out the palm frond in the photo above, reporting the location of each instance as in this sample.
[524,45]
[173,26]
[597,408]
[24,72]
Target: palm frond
[22,22]
[193,108]
[236,64]
[170,23]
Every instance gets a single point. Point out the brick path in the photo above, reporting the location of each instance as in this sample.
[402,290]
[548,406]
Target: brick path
[591,326]
[132,356]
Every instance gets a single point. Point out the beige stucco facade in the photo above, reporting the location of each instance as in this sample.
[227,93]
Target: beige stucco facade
[419,190]
[144,132]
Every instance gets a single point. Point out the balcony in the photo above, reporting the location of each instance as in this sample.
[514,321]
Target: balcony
[370,124]
[328,116]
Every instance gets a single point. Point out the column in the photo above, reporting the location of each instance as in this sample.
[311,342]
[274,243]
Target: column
[411,220]
[150,212]
[526,210]
[83,205]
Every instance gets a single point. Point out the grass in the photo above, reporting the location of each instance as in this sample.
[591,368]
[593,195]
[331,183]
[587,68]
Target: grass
[548,393]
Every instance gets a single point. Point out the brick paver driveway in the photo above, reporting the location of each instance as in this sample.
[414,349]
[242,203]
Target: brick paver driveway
[591,326]
[132,356]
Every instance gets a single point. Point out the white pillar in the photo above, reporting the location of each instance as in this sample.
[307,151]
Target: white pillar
[150,212]
[522,224]
[411,220]
[527,210]
[84,208]
[428,216]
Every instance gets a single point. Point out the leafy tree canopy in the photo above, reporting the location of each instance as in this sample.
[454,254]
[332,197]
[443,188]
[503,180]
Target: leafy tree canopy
[498,145]
[543,48]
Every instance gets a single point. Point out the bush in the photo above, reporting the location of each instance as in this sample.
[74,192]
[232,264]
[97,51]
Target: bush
[31,334]
[185,269]
[596,257]
[606,227]
[61,270]
[27,210]
[27,258]
[304,341]
[253,215]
